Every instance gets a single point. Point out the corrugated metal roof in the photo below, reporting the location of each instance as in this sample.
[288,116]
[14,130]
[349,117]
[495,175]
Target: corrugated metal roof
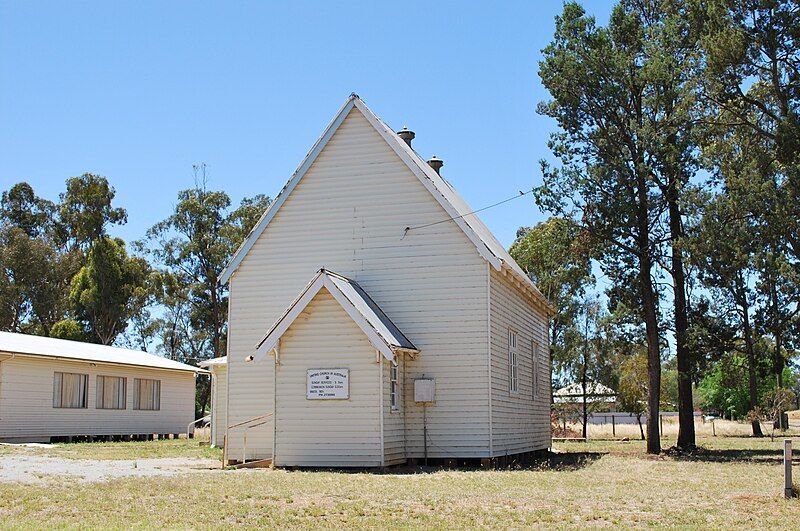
[443,192]
[379,329]
[595,392]
[76,350]
[222,360]
[371,311]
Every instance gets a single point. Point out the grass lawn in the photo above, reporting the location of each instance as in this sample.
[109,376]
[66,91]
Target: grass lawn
[120,450]
[736,482]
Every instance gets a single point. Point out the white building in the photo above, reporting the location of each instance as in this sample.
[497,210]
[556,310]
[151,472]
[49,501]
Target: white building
[366,274]
[219,397]
[57,388]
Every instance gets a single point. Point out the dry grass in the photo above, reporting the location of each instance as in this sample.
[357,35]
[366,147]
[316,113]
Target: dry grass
[720,427]
[736,483]
[121,450]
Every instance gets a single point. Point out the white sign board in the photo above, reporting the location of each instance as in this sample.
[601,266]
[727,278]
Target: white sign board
[328,384]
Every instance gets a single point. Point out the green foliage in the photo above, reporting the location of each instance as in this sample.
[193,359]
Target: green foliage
[193,245]
[85,210]
[70,329]
[724,389]
[22,208]
[623,98]
[555,256]
[35,282]
[105,291]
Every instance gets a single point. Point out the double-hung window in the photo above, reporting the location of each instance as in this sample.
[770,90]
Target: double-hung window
[70,390]
[111,392]
[146,394]
[535,365]
[394,388]
[513,366]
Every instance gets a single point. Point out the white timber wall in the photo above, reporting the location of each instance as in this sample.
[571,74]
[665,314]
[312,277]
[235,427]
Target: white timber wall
[219,398]
[347,214]
[26,400]
[520,422]
[327,432]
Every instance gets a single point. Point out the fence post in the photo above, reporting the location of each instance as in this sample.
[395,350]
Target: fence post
[714,427]
[787,468]
[613,426]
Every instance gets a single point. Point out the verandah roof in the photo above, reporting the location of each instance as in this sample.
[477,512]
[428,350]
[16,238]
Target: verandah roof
[384,335]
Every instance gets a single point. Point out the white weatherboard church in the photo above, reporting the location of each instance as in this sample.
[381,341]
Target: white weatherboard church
[362,317]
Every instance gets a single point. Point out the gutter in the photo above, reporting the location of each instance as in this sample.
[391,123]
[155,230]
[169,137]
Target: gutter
[194,370]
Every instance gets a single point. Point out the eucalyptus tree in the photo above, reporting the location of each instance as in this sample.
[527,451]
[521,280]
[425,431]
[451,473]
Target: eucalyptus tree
[622,97]
[723,249]
[85,210]
[751,86]
[106,291]
[36,268]
[191,248]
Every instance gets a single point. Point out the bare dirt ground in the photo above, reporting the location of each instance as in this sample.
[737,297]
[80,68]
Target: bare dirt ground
[41,469]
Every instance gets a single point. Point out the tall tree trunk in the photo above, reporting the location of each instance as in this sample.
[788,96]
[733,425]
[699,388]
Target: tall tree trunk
[686,435]
[751,354]
[584,375]
[585,404]
[653,357]
[649,307]
[777,329]
[641,429]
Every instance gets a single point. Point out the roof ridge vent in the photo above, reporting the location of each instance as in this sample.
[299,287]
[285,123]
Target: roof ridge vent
[407,135]
[436,163]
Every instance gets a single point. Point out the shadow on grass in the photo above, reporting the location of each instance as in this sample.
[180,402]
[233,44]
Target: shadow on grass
[565,462]
[766,456]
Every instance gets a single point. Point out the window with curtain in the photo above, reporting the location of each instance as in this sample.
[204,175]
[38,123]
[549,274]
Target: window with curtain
[513,368]
[111,392]
[70,390]
[147,394]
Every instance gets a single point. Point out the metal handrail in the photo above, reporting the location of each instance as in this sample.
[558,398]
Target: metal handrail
[250,420]
[246,424]
[201,419]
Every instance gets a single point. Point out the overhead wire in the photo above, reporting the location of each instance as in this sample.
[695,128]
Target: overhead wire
[516,196]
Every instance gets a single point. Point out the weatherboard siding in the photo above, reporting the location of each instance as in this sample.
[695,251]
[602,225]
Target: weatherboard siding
[520,423]
[347,214]
[26,400]
[219,396]
[340,432]
[394,438]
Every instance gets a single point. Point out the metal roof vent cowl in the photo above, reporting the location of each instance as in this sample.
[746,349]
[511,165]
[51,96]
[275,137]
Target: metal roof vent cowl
[436,164]
[407,135]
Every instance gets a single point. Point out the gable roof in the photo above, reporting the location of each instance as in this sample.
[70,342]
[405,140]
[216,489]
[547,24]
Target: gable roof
[379,329]
[90,352]
[453,204]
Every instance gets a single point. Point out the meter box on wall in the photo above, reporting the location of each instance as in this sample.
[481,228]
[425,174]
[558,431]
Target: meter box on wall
[424,389]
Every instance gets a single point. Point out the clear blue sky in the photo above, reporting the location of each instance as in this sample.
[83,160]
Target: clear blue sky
[139,91]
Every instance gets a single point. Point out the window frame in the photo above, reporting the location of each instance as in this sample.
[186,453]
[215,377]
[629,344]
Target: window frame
[513,362]
[535,368]
[137,398]
[394,387]
[85,397]
[98,396]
